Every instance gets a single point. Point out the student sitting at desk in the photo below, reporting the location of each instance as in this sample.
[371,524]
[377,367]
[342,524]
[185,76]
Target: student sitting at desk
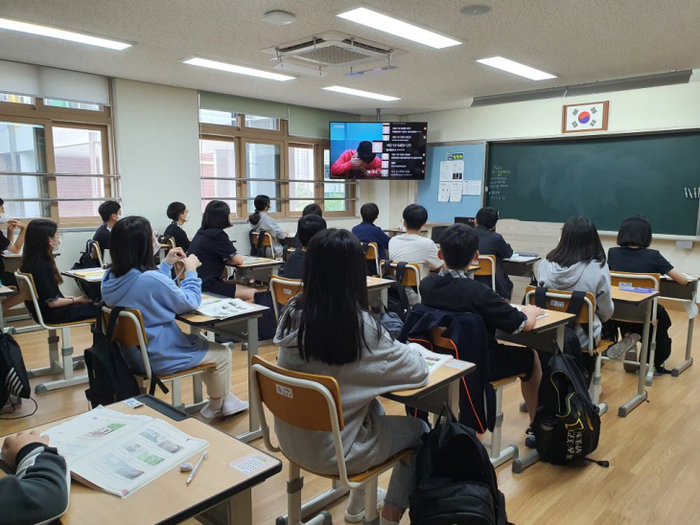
[177,212]
[261,221]
[41,241]
[413,247]
[634,255]
[214,249]
[39,491]
[453,290]
[492,243]
[133,282]
[309,209]
[109,211]
[578,263]
[366,231]
[12,245]
[307,227]
[366,361]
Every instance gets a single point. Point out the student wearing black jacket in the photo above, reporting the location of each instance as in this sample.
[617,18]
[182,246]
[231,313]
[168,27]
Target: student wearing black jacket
[307,227]
[492,243]
[179,214]
[109,212]
[38,493]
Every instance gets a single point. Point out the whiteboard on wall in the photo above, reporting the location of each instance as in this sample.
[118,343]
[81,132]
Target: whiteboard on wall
[474,158]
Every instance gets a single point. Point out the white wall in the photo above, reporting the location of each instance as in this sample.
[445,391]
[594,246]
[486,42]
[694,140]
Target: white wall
[650,109]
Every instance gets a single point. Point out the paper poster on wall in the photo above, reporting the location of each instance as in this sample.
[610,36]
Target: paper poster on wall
[456,191]
[444,192]
[471,187]
[457,170]
[446,171]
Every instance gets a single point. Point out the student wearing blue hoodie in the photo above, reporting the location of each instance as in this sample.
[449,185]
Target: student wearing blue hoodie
[134,282]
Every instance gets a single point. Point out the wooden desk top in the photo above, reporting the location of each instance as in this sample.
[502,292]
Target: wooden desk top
[197,319]
[553,320]
[168,498]
[438,379]
[90,275]
[625,296]
[257,262]
[378,282]
[6,290]
[527,261]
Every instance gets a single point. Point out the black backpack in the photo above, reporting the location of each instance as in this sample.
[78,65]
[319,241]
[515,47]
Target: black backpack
[14,380]
[256,248]
[91,290]
[456,482]
[397,299]
[567,423]
[109,376]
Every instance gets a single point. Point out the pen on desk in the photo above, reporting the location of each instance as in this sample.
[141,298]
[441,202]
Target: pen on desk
[205,455]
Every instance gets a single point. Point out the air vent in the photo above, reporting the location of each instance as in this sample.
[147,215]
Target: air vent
[332,55]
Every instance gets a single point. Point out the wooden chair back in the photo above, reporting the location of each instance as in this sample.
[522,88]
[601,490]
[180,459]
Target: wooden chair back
[298,403]
[128,327]
[635,280]
[283,290]
[267,239]
[27,288]
[412,275]
[372,254]
[96,253]
[487,267]
[559,300]
[441,345]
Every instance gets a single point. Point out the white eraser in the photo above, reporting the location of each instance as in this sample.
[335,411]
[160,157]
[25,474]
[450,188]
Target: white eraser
[185,467]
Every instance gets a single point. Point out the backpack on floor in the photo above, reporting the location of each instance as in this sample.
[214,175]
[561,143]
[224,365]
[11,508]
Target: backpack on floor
[267,324]
[14,380]
[110,378]
[456,482]
[397,299]
[567,423]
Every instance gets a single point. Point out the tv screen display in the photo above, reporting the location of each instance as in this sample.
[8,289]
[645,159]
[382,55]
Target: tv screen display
[378,150]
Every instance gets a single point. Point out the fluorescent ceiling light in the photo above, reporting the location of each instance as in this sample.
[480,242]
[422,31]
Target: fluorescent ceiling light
[52,32]
[359,93]
[241,70]
[390,25]
[516,68]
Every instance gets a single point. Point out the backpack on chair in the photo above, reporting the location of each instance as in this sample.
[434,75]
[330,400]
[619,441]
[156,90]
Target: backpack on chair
[256,248]
[456,482]
[397,299]
[91,290]
[110,378]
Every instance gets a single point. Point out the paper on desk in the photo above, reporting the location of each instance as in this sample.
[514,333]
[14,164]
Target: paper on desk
[221,308]
[444,192]
[432,359]
[519,307]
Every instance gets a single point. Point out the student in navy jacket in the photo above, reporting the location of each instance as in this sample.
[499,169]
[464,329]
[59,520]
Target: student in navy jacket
[492,243]
[366,231]
[307,227]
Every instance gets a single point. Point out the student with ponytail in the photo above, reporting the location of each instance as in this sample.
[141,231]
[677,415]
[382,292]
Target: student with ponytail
[261,221]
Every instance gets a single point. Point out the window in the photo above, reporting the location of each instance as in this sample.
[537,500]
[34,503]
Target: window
[335,193]
[71,105]
[301,167]
[15,99]
[220,118]
[217,168]
[255,122]
[262,164]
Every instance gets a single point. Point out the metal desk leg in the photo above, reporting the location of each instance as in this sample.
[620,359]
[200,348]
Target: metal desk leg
[385,297]
[688,349]
[453,397]
[237,510]
[641,394]
[254,431]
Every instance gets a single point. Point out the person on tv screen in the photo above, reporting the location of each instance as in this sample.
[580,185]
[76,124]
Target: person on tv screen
[361,163]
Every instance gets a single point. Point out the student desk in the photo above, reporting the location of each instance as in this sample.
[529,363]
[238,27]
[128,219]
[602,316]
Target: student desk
[635,307]
[260,268]
[670,289]
[519,266]
[242,327]
[393,232]
[88,275]
[219,494]
[379,286]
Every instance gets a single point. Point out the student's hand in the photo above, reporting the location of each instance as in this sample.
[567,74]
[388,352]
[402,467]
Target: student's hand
[356,161]
[14,444]
[192,263]
[175,255]
[532,310]
[82,300]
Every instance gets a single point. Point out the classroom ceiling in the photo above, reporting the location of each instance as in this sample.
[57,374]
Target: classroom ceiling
[577,40]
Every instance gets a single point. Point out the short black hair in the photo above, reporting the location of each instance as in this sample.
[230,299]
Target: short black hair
[364,151]
[175,209]
[312,209]
[131,245]
[459,244]
[635,231]
[107,209]
[415,216]
[487,217]
[216,215]
[308,226]
[369,212]
[579,242]
[2,202]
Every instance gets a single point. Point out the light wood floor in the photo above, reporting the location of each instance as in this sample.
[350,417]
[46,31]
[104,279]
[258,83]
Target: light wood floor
[654,474]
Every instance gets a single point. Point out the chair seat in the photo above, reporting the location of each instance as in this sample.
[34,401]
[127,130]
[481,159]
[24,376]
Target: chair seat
[505,381]
[74,323]
[190,371]
[368,474]
[603,345]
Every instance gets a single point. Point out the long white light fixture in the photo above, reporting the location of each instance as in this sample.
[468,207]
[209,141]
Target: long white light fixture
[240,70]
[390,25]
[360,93]
[61,34]
[516,68]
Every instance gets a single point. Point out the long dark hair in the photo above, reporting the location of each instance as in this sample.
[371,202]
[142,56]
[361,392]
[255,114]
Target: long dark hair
[131,245]
[216,215]
[330,309]
[36,245]
[579,242]
[261,203]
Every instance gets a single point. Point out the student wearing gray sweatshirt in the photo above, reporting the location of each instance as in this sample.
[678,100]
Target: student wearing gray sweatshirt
[261,221]
[328,330]
[578,263]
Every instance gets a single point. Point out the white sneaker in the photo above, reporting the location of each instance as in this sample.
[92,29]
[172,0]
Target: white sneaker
[208,413]
[233,405]
[355,511]
[627,343]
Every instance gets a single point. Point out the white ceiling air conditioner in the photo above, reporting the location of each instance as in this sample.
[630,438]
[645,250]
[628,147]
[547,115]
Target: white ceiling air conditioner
[330,49]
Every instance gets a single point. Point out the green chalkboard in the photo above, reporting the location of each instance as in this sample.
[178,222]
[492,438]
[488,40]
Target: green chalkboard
[606,179]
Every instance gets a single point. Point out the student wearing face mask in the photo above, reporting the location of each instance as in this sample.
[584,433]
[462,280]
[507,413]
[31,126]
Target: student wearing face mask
[179,214]
[13,245]
[42,239]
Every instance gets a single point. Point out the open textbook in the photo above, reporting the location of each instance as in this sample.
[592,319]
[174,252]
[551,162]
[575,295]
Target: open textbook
[224,307]
[120,453]
[432,359]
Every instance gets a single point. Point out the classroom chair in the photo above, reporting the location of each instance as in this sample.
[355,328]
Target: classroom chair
[96,253]
[559,300]
[265,244]
[497,455]
[130,331]
[408,273]
[312,402]
[372,255]
[487,267]
[68,362]
[282,290]
[641,280]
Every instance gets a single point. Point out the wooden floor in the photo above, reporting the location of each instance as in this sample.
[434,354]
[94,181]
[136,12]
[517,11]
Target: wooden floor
[654,474]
